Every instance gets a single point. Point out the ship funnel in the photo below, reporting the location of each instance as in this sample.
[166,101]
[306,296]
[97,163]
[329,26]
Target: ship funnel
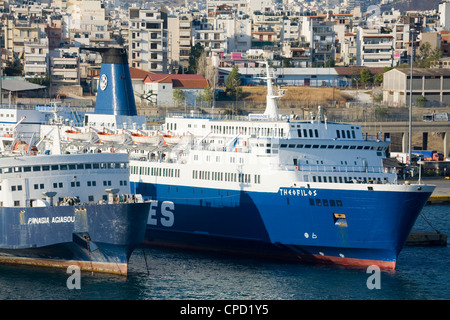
[114,93]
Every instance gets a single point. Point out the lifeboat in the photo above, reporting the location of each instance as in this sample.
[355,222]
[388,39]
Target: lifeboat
[171,139]
[140,137]
[105,136]
[76,135]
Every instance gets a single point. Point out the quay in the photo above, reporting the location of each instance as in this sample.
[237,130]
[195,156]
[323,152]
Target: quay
[441,195]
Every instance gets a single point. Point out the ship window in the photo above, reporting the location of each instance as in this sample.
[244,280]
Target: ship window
[330,146]
[63,167]
[352,147]
[310,133]
[340,219]
[305,133]
[292,146]
[283,145]
[348,134]
[332,203]
[324,146]
[45,168]
[72,167]
[307,146]
[55,167]
[338,134]
[37,168]
[316,133]
[318,202]
[339,203]
[299,146]
[299,132]
[359,147]
[26,169]
[338,147]
[96,165]
[80,166]
[353,134]
[325,202]
[311,202]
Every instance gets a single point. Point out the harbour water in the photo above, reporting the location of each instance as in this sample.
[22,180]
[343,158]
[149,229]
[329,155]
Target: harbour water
[171,274]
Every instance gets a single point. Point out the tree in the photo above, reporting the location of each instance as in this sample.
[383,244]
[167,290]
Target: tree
[426,56]
[208,95]
[194,55]
[330,63]
[178,96]
[233,82]
[421,101]
[378,79]
[43,81]
[366,76]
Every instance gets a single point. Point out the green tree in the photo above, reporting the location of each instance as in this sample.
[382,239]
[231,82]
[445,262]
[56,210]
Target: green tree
[330,63]
[378,79]
[178,96]
[233,82]
[366,76]
[208,95]
[194,55]
[43,81]
[421,101]
[14,68]
[426,56]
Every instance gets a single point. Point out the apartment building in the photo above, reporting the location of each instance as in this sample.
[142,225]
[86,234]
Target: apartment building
[266,31]
[210,34]
[179,40]
[375,48]
[349,49]
[148,39]
[65,71]
[17,32]
[320,34]
[35,58]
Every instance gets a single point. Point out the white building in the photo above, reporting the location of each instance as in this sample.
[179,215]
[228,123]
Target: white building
[444,15]
[159,88]
[36,55]
[148,39]
[374,49]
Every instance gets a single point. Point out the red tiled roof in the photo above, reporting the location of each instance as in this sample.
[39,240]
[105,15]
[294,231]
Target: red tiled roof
[187,81]
[138,73]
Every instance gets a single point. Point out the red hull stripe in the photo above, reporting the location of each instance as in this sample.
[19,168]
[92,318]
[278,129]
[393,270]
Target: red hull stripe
[105,267]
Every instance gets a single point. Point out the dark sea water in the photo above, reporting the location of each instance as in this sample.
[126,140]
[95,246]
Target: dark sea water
[422,273]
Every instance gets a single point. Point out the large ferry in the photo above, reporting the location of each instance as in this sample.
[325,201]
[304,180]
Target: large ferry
[307,190]
[264,184]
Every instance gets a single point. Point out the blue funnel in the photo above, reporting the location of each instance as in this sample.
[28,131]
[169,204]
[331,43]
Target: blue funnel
[114,93]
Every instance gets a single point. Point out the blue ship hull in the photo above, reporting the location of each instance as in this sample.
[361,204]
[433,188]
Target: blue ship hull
[347,227]
[93,237]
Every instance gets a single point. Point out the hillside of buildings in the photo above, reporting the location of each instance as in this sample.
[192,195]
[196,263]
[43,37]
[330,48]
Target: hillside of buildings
[317,49]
